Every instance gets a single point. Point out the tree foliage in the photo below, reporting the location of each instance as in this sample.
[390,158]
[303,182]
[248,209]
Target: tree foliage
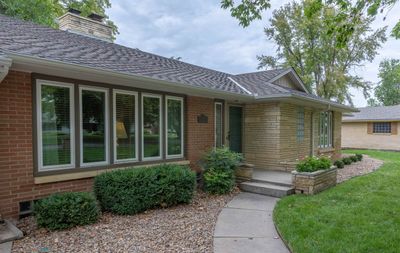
[388,90]
[303,44]
[350,14]
[46,12]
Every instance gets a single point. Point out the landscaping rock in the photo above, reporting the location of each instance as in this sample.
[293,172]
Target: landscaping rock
[367,165]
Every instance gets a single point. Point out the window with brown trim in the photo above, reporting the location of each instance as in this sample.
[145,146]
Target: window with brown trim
[382,128]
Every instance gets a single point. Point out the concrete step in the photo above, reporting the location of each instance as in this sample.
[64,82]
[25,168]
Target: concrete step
[287,184]
[9,232]
[268,189]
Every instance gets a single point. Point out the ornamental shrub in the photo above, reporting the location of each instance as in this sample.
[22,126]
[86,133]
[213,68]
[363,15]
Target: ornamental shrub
[354,158]
[135,190]
[219,181]
[66,210]
[339,164]
[222,159]
[359,157]
[312,164]
[346,160]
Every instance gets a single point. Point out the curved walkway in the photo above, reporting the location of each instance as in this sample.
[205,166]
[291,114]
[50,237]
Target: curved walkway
[245,225]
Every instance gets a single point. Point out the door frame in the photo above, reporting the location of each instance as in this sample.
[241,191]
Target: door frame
[227,120]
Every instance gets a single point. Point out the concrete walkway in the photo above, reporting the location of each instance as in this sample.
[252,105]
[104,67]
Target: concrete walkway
[245,225]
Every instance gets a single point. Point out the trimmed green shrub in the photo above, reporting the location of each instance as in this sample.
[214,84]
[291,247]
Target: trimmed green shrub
[339,164]
[313,163]
[219,170]
[359,157]
[346,160]
[219,181]
[135,190]
[222,159]
[353,158]
[66,210]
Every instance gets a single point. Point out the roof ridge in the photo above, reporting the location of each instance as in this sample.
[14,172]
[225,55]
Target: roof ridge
[261,71]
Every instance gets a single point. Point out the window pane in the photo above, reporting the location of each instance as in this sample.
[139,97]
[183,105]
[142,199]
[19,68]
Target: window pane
[151,126]
[93,126]
[56,125]
[125,126]
[300,124]
[382,127]
[218,125]
[174,127]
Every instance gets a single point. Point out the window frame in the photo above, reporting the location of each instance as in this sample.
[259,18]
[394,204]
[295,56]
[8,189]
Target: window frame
[160,109]
[326,132]
[382,127]
[106,126]
[300,130]
[39,131]
[168,97]
[215,124]
[137,136]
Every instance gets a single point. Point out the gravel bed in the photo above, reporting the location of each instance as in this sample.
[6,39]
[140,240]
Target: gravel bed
[183,228]
[367,165]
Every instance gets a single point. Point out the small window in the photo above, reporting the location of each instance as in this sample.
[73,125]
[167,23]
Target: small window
[151,127]
[326,130]
[125,125]
[382,127]
[55,125]
[94,126]
[174,122]
[300,124]
[218,125]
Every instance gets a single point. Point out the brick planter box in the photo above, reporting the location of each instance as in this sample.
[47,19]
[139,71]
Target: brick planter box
[313,182]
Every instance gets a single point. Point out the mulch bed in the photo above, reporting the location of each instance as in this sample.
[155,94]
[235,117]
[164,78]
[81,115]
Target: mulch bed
[367,165]
[183,228]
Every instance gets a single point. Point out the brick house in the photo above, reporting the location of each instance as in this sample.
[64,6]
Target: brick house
[73,105]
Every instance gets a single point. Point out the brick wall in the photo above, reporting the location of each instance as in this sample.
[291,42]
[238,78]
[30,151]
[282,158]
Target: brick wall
[200,136]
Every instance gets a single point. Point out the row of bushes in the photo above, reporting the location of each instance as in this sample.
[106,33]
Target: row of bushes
[348,160]
[131,191]
[311,164]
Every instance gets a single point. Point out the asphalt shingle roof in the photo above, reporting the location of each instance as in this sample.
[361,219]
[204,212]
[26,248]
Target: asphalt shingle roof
[27,38]
[374,113]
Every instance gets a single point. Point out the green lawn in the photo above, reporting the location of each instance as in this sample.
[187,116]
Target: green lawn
[360,215]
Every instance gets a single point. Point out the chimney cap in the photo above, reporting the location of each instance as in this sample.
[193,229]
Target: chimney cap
[96,17]
[74,11]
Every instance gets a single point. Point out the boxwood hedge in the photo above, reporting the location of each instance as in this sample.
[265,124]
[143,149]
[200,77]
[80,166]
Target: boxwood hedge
[135,190]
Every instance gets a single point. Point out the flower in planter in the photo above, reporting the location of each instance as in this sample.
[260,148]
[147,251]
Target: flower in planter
[313,163]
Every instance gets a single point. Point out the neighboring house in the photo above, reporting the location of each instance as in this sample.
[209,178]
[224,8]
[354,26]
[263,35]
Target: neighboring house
[73,105]
[372,128]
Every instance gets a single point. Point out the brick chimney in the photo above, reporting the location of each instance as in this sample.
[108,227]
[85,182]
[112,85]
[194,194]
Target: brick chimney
[91,26]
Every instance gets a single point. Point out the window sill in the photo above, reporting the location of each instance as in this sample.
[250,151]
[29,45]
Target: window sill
[93,173]
[325,150]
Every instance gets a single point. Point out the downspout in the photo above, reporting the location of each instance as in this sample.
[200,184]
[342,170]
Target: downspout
[5,64]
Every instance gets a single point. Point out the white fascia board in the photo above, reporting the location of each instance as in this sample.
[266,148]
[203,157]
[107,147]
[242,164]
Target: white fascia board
[58,68]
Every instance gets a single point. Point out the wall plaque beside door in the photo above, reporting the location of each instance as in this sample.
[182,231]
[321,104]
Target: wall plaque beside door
[202,119]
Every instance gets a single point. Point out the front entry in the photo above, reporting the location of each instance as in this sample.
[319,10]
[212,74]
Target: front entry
[235,128]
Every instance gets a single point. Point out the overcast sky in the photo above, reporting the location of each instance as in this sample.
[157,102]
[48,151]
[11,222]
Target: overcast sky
[200,32]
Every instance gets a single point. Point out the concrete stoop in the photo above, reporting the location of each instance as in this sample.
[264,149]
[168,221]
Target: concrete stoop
[8,233]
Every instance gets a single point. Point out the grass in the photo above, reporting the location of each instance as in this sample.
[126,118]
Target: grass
[360,215]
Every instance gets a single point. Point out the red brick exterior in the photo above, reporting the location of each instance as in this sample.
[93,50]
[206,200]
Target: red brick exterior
[200,136]
[16,154]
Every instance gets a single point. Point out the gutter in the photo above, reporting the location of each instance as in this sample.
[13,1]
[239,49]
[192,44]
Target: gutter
[5,64]
[74,67]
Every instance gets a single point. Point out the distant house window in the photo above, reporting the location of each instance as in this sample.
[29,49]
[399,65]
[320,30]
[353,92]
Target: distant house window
[382,127]
[300,124]
[326,130]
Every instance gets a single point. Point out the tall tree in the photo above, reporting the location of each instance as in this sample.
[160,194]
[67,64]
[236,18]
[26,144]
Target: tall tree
[45,12]
[351,12]
[388,90]
[303,44]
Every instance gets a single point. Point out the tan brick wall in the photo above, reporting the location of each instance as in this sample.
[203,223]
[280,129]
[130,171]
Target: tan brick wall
[200,136]
[16,159]
[355,135]
[271,135]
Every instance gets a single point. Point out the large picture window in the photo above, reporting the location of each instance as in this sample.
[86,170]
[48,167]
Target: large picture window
[326,130]
[151,126]
[125,125]
[94,126]
[55,125]
[174,122]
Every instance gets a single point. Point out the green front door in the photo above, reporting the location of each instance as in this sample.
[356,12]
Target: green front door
[235,128]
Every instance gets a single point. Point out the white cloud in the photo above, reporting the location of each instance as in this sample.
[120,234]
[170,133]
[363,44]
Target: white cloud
[202,33]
